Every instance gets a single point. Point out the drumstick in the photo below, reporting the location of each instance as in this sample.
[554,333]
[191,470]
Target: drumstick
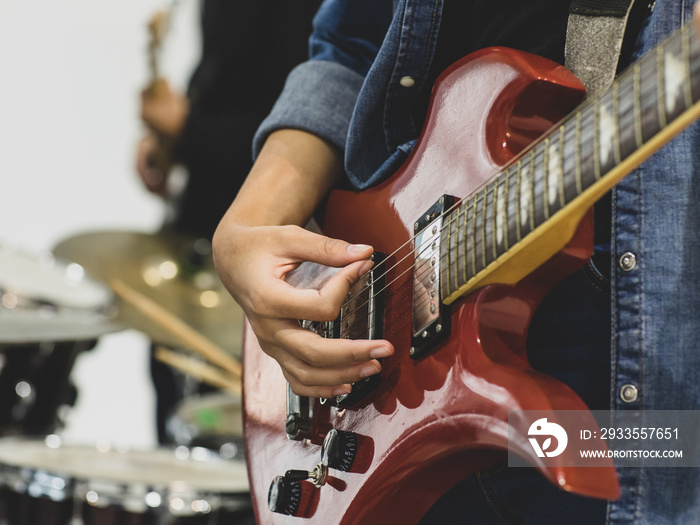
[201,371]
[188,335]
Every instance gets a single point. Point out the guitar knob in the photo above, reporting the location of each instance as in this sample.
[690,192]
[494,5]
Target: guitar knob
[339,450]
[284,496]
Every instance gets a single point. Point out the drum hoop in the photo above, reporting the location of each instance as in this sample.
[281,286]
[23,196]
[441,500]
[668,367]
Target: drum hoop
[175,498]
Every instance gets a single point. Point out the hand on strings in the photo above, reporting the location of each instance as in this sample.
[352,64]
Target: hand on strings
[256,247]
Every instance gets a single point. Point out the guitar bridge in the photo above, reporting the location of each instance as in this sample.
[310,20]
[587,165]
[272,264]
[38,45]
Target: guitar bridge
[431,318]
[361,317]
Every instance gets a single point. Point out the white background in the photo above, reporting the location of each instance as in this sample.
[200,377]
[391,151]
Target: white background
[71,72]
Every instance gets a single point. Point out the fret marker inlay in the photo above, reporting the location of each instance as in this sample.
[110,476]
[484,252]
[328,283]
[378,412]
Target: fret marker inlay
[554,173]
[525,192]
[500,214]
[674,72]
[607,135]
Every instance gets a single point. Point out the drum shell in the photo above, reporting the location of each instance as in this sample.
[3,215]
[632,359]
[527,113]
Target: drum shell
[42,485]
[43,371]
[23,509]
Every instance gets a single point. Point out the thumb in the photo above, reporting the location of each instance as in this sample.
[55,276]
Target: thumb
[328,251]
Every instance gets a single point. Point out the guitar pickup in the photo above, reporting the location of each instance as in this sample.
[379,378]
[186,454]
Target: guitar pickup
[362,317]
[431,318]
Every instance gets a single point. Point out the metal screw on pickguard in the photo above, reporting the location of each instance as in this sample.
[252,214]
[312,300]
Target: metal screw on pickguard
[438,328]
[415,227]
[442,200]
[432,308]
[424,335]
[412,351]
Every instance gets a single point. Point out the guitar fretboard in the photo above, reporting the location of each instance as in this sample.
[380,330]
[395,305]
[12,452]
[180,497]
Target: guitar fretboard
[585,146]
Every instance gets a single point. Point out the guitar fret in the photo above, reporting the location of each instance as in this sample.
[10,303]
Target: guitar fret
[444,264]
[606,133]
[570,158]
[540,209]
[587,145]
[596,139]
[685,43]
[637,107]
[545,180]
[674,79]
[483,232]
[462,242]
[660,81]
[478,233]
[626,116]
[472,236]
[579,184]
[489,226]
[616,123]
[531,192]
[502,213]
[518,232]
[452,263]
[512,212]
[694,52]
[562,195]
[649,98]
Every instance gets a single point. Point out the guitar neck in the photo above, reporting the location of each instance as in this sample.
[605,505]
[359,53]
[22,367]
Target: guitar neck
[530,209]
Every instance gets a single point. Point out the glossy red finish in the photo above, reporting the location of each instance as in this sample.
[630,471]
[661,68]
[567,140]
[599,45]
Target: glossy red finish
[436,420]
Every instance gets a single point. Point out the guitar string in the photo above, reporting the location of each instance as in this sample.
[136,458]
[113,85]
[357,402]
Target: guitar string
[585,109]
[588,106]
[537,191]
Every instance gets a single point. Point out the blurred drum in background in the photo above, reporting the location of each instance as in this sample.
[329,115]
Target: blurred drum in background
[50,311]
[213,421]
[44,482]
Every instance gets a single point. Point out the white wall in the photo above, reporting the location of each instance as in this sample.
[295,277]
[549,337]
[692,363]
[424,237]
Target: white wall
[70,75]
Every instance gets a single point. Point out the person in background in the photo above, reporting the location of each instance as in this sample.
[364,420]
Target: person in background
[627,341]
[248,48]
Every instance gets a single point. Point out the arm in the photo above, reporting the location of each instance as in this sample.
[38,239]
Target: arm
[253,255]
[260,239]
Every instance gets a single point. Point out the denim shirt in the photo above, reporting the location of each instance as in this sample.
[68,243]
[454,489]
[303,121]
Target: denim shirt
[655,358]
[368,112]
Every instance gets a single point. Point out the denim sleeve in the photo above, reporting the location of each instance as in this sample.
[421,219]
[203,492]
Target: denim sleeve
[319,95]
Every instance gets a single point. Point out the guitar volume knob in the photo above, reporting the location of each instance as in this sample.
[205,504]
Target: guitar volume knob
[339,450]
[284,496]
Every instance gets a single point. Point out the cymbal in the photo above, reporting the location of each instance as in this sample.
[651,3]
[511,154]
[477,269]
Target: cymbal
[44,299]
[173,270]
[22,326]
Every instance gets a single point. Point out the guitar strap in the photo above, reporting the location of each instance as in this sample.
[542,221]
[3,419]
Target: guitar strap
[594,39]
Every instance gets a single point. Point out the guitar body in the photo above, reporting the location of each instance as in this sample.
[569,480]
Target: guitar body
[435,420]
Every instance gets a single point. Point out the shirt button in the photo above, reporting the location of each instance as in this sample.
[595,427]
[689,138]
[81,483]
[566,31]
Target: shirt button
[407,81]
[629,393]
[628,261]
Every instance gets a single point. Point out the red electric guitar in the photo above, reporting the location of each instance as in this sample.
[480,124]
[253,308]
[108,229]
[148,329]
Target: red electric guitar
[478,225]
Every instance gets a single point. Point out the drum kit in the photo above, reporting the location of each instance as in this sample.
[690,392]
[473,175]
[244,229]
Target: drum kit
[57,305]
